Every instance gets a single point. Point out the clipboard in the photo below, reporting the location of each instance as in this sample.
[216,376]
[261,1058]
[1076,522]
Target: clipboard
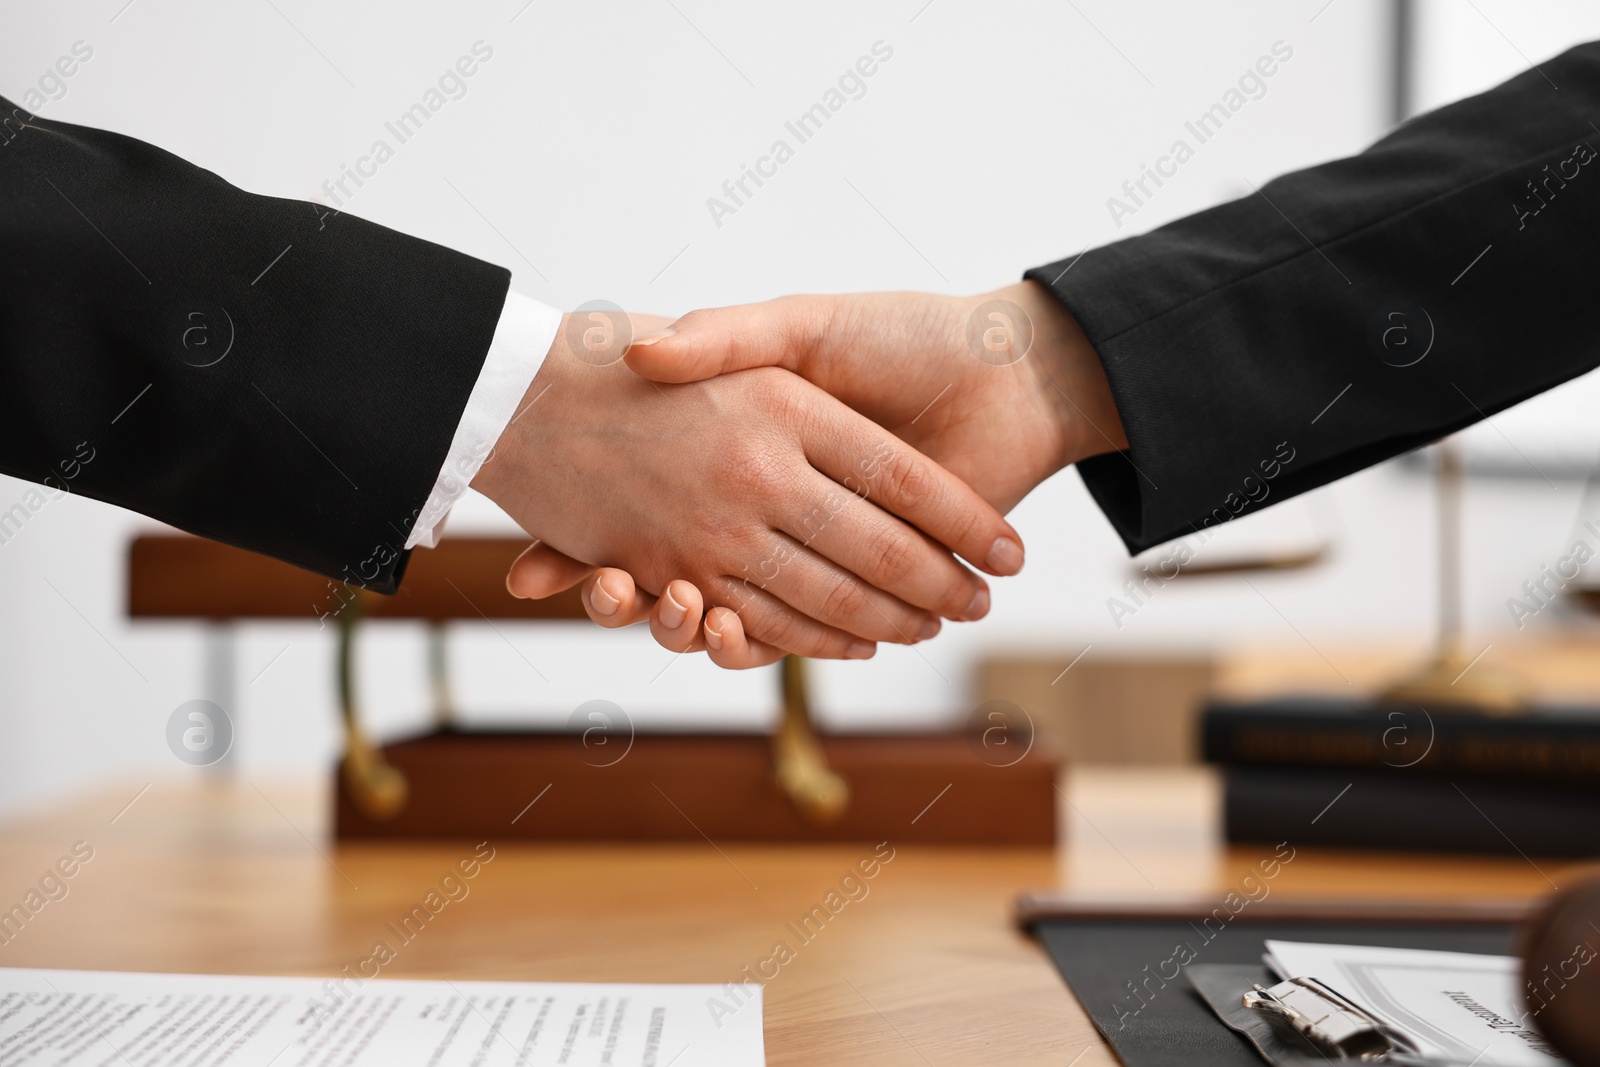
[1122,958]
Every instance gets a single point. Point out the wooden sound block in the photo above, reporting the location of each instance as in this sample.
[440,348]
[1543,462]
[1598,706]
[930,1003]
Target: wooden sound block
[934,788]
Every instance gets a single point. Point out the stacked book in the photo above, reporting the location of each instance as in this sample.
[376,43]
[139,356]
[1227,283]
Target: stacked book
[1344,773]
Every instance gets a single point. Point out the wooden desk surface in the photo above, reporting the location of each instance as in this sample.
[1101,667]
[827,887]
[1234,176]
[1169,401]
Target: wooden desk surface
[238,876]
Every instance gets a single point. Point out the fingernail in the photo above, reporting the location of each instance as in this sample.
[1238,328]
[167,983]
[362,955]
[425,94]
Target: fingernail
[1005,556]
[652,337]
[860,650]
[979,606]
[929,629]
[713,639]
[602,600]
[672,612]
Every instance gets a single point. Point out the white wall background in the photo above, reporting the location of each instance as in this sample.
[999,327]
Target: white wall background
[590,142]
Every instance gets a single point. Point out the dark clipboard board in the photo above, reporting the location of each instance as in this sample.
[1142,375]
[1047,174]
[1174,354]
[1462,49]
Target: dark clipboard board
[1102,947]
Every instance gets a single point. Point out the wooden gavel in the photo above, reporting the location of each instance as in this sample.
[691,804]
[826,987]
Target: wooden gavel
[1561,971]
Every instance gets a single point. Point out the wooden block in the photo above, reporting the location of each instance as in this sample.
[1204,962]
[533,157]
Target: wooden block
[670,787]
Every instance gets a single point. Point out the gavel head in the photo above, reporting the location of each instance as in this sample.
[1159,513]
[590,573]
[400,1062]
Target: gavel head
[1561,971]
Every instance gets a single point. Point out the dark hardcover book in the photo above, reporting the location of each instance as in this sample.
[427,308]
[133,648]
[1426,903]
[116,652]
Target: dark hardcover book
[1401,809]
[1547,744]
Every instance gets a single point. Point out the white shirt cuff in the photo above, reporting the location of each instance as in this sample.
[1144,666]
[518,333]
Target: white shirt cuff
[523,337]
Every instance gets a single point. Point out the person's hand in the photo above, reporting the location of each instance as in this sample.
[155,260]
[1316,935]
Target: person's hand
[820,532]
[1002,389]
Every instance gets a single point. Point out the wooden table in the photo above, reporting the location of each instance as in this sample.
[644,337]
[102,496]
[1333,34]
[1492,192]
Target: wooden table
[238,875]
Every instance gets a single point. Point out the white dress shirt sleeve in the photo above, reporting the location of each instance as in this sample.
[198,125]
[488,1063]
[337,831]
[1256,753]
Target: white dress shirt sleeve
[523,337]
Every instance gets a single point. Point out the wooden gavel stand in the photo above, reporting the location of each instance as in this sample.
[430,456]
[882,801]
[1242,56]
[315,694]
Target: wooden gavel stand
[456,782]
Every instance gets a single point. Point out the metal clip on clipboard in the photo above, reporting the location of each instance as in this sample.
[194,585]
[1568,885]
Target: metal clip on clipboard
[1326,1018]
[1298,1022]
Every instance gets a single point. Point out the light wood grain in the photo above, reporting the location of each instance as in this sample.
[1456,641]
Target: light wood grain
[239,876]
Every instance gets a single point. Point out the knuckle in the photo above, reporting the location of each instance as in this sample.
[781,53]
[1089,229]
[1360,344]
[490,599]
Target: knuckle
[958,595]
[739,596]
[786,629]
[780,627]
[845,601]
[895,558]
[965,524]
[820,644]
[698,320]
[806,322]
[905,483]
[704,338]
[760,471]
[781,395]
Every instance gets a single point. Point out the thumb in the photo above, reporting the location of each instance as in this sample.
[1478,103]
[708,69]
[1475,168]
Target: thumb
[703,344]
[541,571]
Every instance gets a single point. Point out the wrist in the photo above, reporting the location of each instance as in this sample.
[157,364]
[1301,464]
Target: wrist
[503,478]
[1069,378]
[587,349]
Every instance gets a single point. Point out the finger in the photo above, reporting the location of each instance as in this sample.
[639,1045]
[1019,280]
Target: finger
[706,343]
[541,571]
[874,464]
[675,622]
[771,621]
[899,559]
[612,600]
[728,646]
[836,597]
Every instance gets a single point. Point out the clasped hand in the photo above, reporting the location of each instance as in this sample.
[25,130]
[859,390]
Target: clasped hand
[799,476]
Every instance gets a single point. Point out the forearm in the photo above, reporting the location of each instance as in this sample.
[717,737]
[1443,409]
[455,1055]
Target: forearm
[260,371]
[1240,335]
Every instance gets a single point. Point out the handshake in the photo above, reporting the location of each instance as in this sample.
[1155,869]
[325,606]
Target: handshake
[798,476]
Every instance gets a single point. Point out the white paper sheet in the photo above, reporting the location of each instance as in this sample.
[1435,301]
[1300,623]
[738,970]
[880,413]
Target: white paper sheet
[1458,1006]
[113,1019]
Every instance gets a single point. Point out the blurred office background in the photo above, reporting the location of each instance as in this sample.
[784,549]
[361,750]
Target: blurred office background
[581,156]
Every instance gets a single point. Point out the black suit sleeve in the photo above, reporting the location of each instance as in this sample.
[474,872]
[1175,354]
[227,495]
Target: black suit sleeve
[259,371]
[1277,325]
